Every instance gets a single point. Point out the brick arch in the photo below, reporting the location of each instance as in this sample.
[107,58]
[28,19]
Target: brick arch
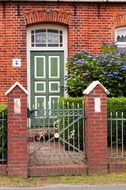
[38,16]
[120,21]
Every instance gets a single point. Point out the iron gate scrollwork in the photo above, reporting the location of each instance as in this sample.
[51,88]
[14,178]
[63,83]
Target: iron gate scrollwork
[58,136]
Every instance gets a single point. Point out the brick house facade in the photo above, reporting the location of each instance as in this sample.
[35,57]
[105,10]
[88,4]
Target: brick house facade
[36,38]
[86,24]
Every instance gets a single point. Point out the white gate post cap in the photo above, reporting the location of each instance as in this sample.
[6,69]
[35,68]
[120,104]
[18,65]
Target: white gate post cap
[14,85]
[92,86]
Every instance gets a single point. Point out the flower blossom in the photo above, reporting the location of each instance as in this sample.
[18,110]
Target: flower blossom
[123,68]
[86,74]
[67,76]
[80,61]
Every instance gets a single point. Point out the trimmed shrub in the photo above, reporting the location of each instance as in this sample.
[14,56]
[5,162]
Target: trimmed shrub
[76,100]
[3,108]
[117,104]
[113,104]
[109,68]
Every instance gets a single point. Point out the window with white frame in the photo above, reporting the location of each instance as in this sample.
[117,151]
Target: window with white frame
[121,37]
[46,38]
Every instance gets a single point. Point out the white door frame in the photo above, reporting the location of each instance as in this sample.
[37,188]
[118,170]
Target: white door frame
[64,48]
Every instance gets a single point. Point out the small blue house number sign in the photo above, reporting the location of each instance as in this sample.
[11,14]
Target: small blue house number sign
[16,62]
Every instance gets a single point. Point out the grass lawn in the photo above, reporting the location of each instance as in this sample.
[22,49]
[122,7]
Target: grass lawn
[39,181]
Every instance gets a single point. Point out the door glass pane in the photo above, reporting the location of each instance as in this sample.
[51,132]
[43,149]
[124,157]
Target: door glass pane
[121,39]
[46,38]
[32,38]
[53,38]
[121,35]
[40,38]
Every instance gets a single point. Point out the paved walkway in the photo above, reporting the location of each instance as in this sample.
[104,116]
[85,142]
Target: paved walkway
[53,153]
[70,187]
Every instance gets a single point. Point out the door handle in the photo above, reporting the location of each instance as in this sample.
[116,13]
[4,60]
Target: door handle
[61,86]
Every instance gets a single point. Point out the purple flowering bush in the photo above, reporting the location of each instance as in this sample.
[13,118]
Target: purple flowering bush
[109,68]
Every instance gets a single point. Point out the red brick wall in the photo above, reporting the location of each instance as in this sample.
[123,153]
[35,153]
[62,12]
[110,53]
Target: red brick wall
[17,135]
[117,166]
[89,25]
[96,132]
[3,169]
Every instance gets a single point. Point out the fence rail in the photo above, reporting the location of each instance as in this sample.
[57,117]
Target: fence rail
[3,137]
[117,135]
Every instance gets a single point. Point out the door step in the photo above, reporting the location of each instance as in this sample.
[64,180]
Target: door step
[54,170]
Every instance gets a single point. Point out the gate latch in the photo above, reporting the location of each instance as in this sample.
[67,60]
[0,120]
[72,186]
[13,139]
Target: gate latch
[31,113]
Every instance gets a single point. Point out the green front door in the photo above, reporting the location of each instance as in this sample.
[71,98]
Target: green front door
[47,79]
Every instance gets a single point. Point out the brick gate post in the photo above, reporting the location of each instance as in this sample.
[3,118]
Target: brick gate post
[96,128]
[17,131]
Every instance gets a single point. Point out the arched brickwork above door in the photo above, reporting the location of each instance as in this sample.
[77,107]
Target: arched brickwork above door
[120,20]
[39,16]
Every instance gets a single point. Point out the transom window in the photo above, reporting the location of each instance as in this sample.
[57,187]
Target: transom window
[46,38]
[121,37]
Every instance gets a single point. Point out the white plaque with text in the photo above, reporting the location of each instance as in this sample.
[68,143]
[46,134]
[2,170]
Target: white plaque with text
[17,105]
[97,104]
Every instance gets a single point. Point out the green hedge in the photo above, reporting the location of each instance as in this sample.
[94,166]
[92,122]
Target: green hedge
[3,108]
[117,104]
[113,104]
[65,100]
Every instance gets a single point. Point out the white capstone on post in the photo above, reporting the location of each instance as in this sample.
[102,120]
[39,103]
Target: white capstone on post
[17,131]
[96,128]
